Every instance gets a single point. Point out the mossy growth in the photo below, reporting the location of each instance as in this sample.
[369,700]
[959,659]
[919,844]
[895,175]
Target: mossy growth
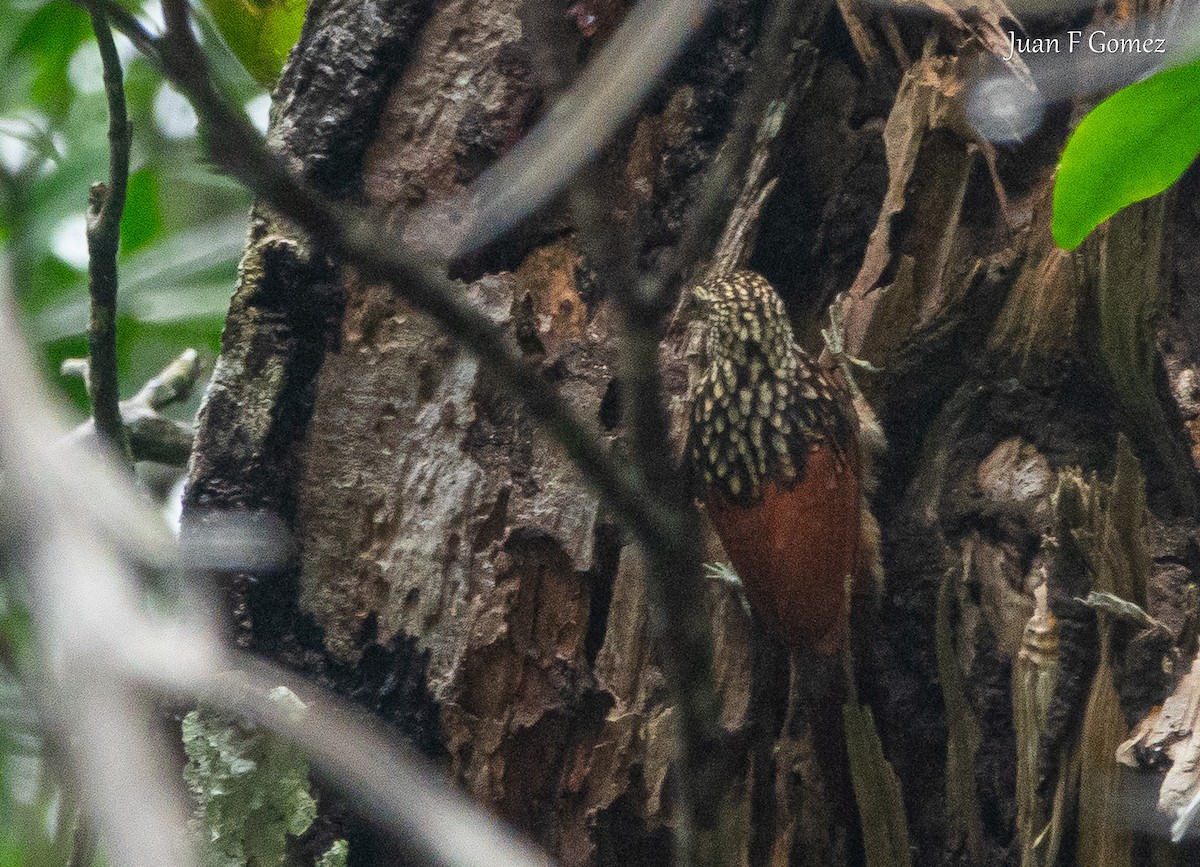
[250,788]
[335,855]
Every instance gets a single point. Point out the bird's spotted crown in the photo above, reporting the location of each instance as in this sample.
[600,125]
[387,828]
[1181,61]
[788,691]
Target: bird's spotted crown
[762,402]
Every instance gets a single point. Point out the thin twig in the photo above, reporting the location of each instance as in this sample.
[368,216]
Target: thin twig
[128,24]
[70,527]
[769,82]
[666,526]
[83,846]
[674,579]
[173,384]
[573,132]
[648,497]
[106,204]
[674,582]
[151,436]
[397,789]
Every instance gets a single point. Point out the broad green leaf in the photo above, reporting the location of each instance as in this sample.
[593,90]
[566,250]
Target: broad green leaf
[259,32]
[1130,147]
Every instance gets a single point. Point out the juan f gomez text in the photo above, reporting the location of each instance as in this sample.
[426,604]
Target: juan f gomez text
[1096,42]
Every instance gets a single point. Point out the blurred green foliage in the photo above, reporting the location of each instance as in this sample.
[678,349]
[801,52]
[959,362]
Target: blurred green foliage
[260,32]
[182,234]
[184,224]
[336,855]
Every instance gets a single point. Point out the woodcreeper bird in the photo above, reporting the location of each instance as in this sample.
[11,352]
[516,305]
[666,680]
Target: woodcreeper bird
[774,442]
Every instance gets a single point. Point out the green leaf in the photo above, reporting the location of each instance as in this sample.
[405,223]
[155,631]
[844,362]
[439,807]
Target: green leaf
[1130,147]
[142,220]
[259,32]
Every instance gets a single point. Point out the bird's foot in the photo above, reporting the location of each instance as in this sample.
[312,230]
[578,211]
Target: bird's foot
[724,573]
[835,340]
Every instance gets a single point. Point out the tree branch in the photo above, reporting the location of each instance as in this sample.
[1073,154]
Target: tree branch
[675,584]
[678,621]
[648,497]
[151,436]
[573,132]
[106,204]
[83,849]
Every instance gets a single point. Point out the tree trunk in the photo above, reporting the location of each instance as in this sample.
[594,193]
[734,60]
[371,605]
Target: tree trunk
[454,574]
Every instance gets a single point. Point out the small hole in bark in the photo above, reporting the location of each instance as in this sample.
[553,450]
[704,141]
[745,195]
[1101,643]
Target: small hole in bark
[526,328]
[411,598]
[493,526]
[426,381]
[370,629]
[608,558]
[610,405]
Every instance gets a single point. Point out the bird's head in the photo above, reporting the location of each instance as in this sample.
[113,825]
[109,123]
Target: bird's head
[742,312]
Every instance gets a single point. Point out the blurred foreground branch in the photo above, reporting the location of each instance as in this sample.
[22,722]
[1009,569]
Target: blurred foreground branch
[657,510]
[358,237]
[664,523]
[82,531]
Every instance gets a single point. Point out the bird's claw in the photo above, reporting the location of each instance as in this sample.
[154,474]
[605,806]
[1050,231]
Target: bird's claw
[724,573]
[835,340]
[862,363]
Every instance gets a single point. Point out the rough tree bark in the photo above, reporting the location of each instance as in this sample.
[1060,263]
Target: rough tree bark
[455,575]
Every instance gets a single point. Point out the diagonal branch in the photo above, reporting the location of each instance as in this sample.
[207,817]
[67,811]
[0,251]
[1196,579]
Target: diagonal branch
[674,584]
[104,650]
[674,581]
[649,497]
[575,130]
